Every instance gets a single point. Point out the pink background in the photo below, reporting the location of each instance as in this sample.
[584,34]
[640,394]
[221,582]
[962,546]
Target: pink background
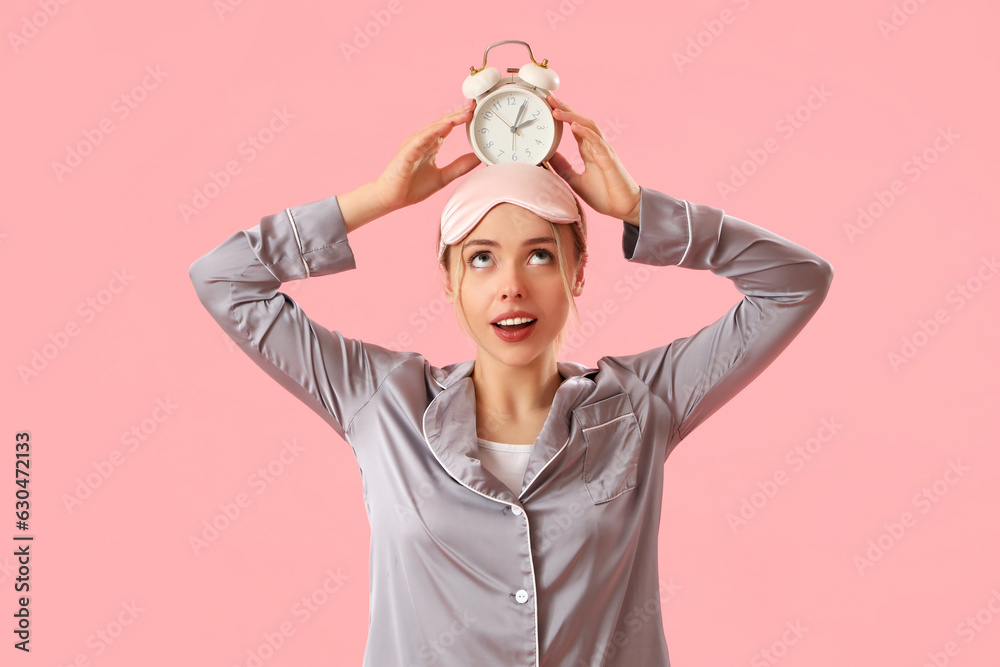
[729,594]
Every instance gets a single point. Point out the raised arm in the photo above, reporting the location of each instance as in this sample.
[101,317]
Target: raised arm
[238,281]
[783,285]
[782,282]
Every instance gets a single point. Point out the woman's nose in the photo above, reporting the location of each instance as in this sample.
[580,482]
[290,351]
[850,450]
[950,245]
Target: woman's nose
[512,283]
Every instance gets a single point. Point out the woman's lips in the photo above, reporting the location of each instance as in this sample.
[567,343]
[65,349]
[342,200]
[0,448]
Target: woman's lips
[516,333]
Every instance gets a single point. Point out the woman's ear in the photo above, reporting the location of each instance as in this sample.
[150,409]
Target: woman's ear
[579,281]
[448,293]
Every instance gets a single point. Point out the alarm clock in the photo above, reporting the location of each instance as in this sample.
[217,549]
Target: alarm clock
[513,122]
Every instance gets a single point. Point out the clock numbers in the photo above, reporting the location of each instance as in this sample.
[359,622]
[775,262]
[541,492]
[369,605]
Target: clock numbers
[497,120]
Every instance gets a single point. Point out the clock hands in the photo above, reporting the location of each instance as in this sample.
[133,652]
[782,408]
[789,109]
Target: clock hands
[500,118]
[527,122]
[520,112]
[516,126]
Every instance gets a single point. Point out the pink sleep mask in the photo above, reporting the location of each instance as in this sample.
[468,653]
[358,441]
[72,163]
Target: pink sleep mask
[535,188]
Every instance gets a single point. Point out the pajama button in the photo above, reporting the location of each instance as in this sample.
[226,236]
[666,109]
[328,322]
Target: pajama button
[521,596]
[516,510]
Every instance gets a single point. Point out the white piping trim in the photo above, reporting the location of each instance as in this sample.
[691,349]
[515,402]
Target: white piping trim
[687,209]
[611,421]
[540,470]
[298,241]
[524,513]
[534,587]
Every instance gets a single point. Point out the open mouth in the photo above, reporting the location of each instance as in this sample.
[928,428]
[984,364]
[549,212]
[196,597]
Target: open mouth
[515,327]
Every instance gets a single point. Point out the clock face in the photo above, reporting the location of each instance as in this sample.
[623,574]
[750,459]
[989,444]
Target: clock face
[513,125]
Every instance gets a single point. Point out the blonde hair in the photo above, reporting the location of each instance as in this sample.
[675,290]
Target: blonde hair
[568,273]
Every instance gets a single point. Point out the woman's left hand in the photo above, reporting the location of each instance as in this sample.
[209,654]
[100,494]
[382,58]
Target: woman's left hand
[605,184]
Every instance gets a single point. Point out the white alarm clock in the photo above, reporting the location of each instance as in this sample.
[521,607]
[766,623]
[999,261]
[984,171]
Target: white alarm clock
[513,122]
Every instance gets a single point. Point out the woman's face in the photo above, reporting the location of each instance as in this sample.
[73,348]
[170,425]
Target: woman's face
[511,264]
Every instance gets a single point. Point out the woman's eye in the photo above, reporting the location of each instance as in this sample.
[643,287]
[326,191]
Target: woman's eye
[472,259]
[546,255]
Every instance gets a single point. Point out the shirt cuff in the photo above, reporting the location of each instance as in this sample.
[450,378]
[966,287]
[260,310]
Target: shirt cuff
[304,241]
[666,229]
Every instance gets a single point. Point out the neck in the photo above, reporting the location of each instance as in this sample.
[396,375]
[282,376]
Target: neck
[514,393]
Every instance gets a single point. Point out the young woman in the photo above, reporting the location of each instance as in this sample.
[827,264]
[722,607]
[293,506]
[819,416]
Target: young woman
[514,499]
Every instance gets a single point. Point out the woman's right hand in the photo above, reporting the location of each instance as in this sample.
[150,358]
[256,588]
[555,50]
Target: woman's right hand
[412,175]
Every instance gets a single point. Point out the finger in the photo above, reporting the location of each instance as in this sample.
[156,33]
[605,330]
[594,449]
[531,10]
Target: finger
[562,167]
[454,118]
[570,117]
[437,130]
[459,167]
[449,119]
[600,148]
[465,108]
[556,102]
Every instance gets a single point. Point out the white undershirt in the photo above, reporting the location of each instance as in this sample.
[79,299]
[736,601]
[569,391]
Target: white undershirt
[506,461]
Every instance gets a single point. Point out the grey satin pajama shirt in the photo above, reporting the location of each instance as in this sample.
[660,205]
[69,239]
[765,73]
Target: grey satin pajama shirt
[463,571]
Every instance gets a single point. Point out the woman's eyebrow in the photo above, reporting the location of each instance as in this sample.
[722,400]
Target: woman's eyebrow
[493,244]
